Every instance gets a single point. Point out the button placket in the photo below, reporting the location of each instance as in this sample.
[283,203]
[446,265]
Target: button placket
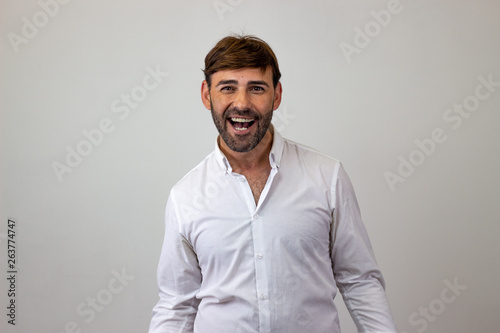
[261,272]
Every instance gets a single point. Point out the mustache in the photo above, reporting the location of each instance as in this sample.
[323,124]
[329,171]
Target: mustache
[235,112]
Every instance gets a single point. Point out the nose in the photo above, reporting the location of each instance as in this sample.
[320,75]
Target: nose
[241,100]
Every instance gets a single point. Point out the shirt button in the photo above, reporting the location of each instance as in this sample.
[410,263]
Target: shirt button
[263,297]
[256,216]
[242,179]
[260,256]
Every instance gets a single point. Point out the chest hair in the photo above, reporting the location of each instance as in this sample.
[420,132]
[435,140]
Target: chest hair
[257,182]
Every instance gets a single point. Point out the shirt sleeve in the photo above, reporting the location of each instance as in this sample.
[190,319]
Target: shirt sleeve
[179,279]
[356,272]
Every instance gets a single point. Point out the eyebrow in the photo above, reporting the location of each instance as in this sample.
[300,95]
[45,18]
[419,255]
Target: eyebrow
[256,82]
[262,83]
[226,82]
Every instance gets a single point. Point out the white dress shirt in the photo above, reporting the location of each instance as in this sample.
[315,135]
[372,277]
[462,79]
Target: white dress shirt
[230,266]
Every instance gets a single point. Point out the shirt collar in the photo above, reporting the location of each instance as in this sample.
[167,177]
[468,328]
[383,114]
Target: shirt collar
[274,155]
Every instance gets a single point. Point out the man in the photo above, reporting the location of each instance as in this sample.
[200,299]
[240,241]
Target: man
[259,236]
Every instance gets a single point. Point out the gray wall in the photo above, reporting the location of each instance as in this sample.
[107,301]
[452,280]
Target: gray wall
[405,104]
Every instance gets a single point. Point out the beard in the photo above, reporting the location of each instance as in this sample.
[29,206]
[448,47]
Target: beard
[245,142]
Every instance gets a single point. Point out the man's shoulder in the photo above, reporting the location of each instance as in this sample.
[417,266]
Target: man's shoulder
[199,173]
[308,154]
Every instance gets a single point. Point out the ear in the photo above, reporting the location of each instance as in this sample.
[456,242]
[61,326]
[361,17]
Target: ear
[205,94]
[277,96]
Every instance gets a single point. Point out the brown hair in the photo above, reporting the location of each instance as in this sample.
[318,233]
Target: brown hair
[235,52]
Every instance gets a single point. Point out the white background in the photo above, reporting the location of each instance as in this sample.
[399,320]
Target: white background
[438,223]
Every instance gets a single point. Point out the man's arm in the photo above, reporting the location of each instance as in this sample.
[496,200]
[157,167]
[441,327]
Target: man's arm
[356,272]
[179,279]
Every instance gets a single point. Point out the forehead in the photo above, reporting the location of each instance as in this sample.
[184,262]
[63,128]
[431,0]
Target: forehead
[243,75]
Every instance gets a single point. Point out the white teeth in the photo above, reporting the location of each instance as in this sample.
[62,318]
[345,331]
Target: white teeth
[240,128]
[241,120]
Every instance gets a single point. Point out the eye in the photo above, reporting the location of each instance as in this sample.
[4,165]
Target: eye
[257,88]
[227,88]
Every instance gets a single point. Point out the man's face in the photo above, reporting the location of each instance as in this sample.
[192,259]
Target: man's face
[242,102]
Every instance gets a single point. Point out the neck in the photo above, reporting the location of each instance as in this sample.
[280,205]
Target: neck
[252,160]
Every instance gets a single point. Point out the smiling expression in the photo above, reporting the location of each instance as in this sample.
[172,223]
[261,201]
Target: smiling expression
[242,102]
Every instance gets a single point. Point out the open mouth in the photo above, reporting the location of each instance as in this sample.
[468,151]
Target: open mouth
[241,124]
